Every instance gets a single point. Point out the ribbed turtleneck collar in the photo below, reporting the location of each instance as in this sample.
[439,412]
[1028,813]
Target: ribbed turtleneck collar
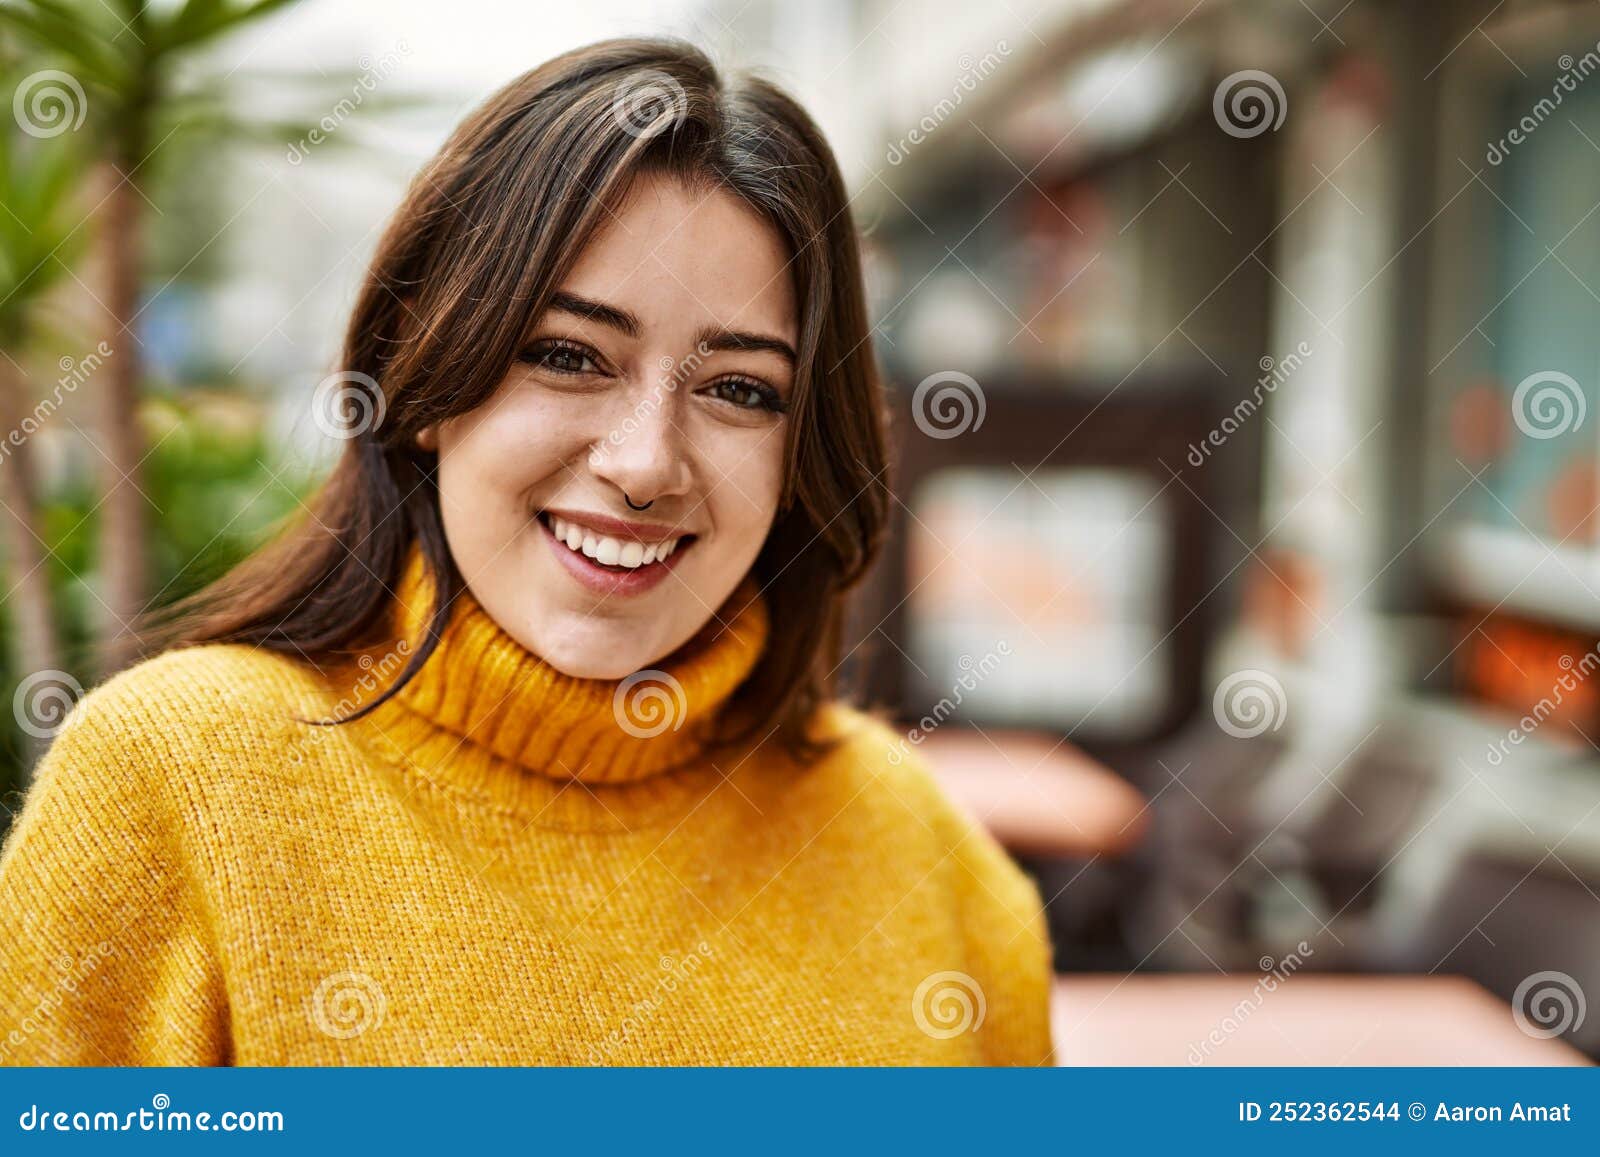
[484,687]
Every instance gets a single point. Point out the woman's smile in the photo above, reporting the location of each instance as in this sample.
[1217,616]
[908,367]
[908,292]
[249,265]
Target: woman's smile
[611,556]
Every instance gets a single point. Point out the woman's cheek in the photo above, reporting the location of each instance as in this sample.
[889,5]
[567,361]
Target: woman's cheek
[512,447]
[751,489]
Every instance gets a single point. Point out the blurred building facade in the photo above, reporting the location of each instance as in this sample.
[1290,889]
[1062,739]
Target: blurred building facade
[1241,354]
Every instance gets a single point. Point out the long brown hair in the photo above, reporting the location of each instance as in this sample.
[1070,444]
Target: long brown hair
[483,237]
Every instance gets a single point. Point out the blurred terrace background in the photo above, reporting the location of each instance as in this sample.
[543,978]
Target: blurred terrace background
[1245,366]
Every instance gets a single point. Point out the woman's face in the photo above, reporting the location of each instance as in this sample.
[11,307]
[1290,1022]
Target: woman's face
[658,376]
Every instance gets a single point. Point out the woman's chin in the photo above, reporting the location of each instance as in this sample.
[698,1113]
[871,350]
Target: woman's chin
[589,667]
[589,651]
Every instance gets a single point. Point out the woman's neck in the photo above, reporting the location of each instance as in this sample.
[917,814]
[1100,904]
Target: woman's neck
[484,687]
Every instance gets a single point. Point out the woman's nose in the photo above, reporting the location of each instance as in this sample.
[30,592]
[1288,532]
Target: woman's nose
[645,454]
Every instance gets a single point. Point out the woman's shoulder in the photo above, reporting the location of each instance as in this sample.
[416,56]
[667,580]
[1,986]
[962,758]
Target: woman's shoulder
[875,757]
[188,699]
[870,750]
[134,756]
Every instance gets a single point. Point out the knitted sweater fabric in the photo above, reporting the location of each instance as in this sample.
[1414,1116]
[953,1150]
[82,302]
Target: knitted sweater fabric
[501,864]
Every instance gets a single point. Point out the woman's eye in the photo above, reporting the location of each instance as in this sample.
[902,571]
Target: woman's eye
[559,357]
[747,395]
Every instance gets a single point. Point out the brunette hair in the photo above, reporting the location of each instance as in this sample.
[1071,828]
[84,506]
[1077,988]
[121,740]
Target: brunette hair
[482,239]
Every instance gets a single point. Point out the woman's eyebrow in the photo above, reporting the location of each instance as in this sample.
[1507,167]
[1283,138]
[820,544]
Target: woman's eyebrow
[712,337]
[718,338]
[611,315]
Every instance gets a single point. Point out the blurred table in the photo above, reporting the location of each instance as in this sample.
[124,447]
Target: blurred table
[1037,796]
[1168,1019]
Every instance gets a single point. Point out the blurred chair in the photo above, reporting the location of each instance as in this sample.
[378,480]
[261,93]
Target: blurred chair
[1039,796]
[1408,852]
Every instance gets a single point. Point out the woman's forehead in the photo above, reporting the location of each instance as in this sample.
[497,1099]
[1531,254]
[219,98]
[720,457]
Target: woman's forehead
[676,256]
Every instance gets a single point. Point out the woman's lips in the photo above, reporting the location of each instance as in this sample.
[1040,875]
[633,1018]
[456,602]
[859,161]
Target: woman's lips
[615,579]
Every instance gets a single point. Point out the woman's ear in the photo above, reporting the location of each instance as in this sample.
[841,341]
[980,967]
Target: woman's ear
[428,438]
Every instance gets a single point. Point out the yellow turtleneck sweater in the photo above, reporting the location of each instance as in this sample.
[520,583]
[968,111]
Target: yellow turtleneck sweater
[489,869]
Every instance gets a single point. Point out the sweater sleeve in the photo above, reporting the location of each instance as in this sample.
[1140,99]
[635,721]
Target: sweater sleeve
[105,957]
[1008,944]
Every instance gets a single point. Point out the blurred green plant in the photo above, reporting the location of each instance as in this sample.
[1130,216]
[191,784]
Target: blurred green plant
[119,80]
[221,491]
[116,107]
[39,238]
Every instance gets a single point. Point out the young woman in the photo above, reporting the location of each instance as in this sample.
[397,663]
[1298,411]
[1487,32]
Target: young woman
[520,749]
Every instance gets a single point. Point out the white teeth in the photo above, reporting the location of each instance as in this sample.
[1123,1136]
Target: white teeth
[610,551]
